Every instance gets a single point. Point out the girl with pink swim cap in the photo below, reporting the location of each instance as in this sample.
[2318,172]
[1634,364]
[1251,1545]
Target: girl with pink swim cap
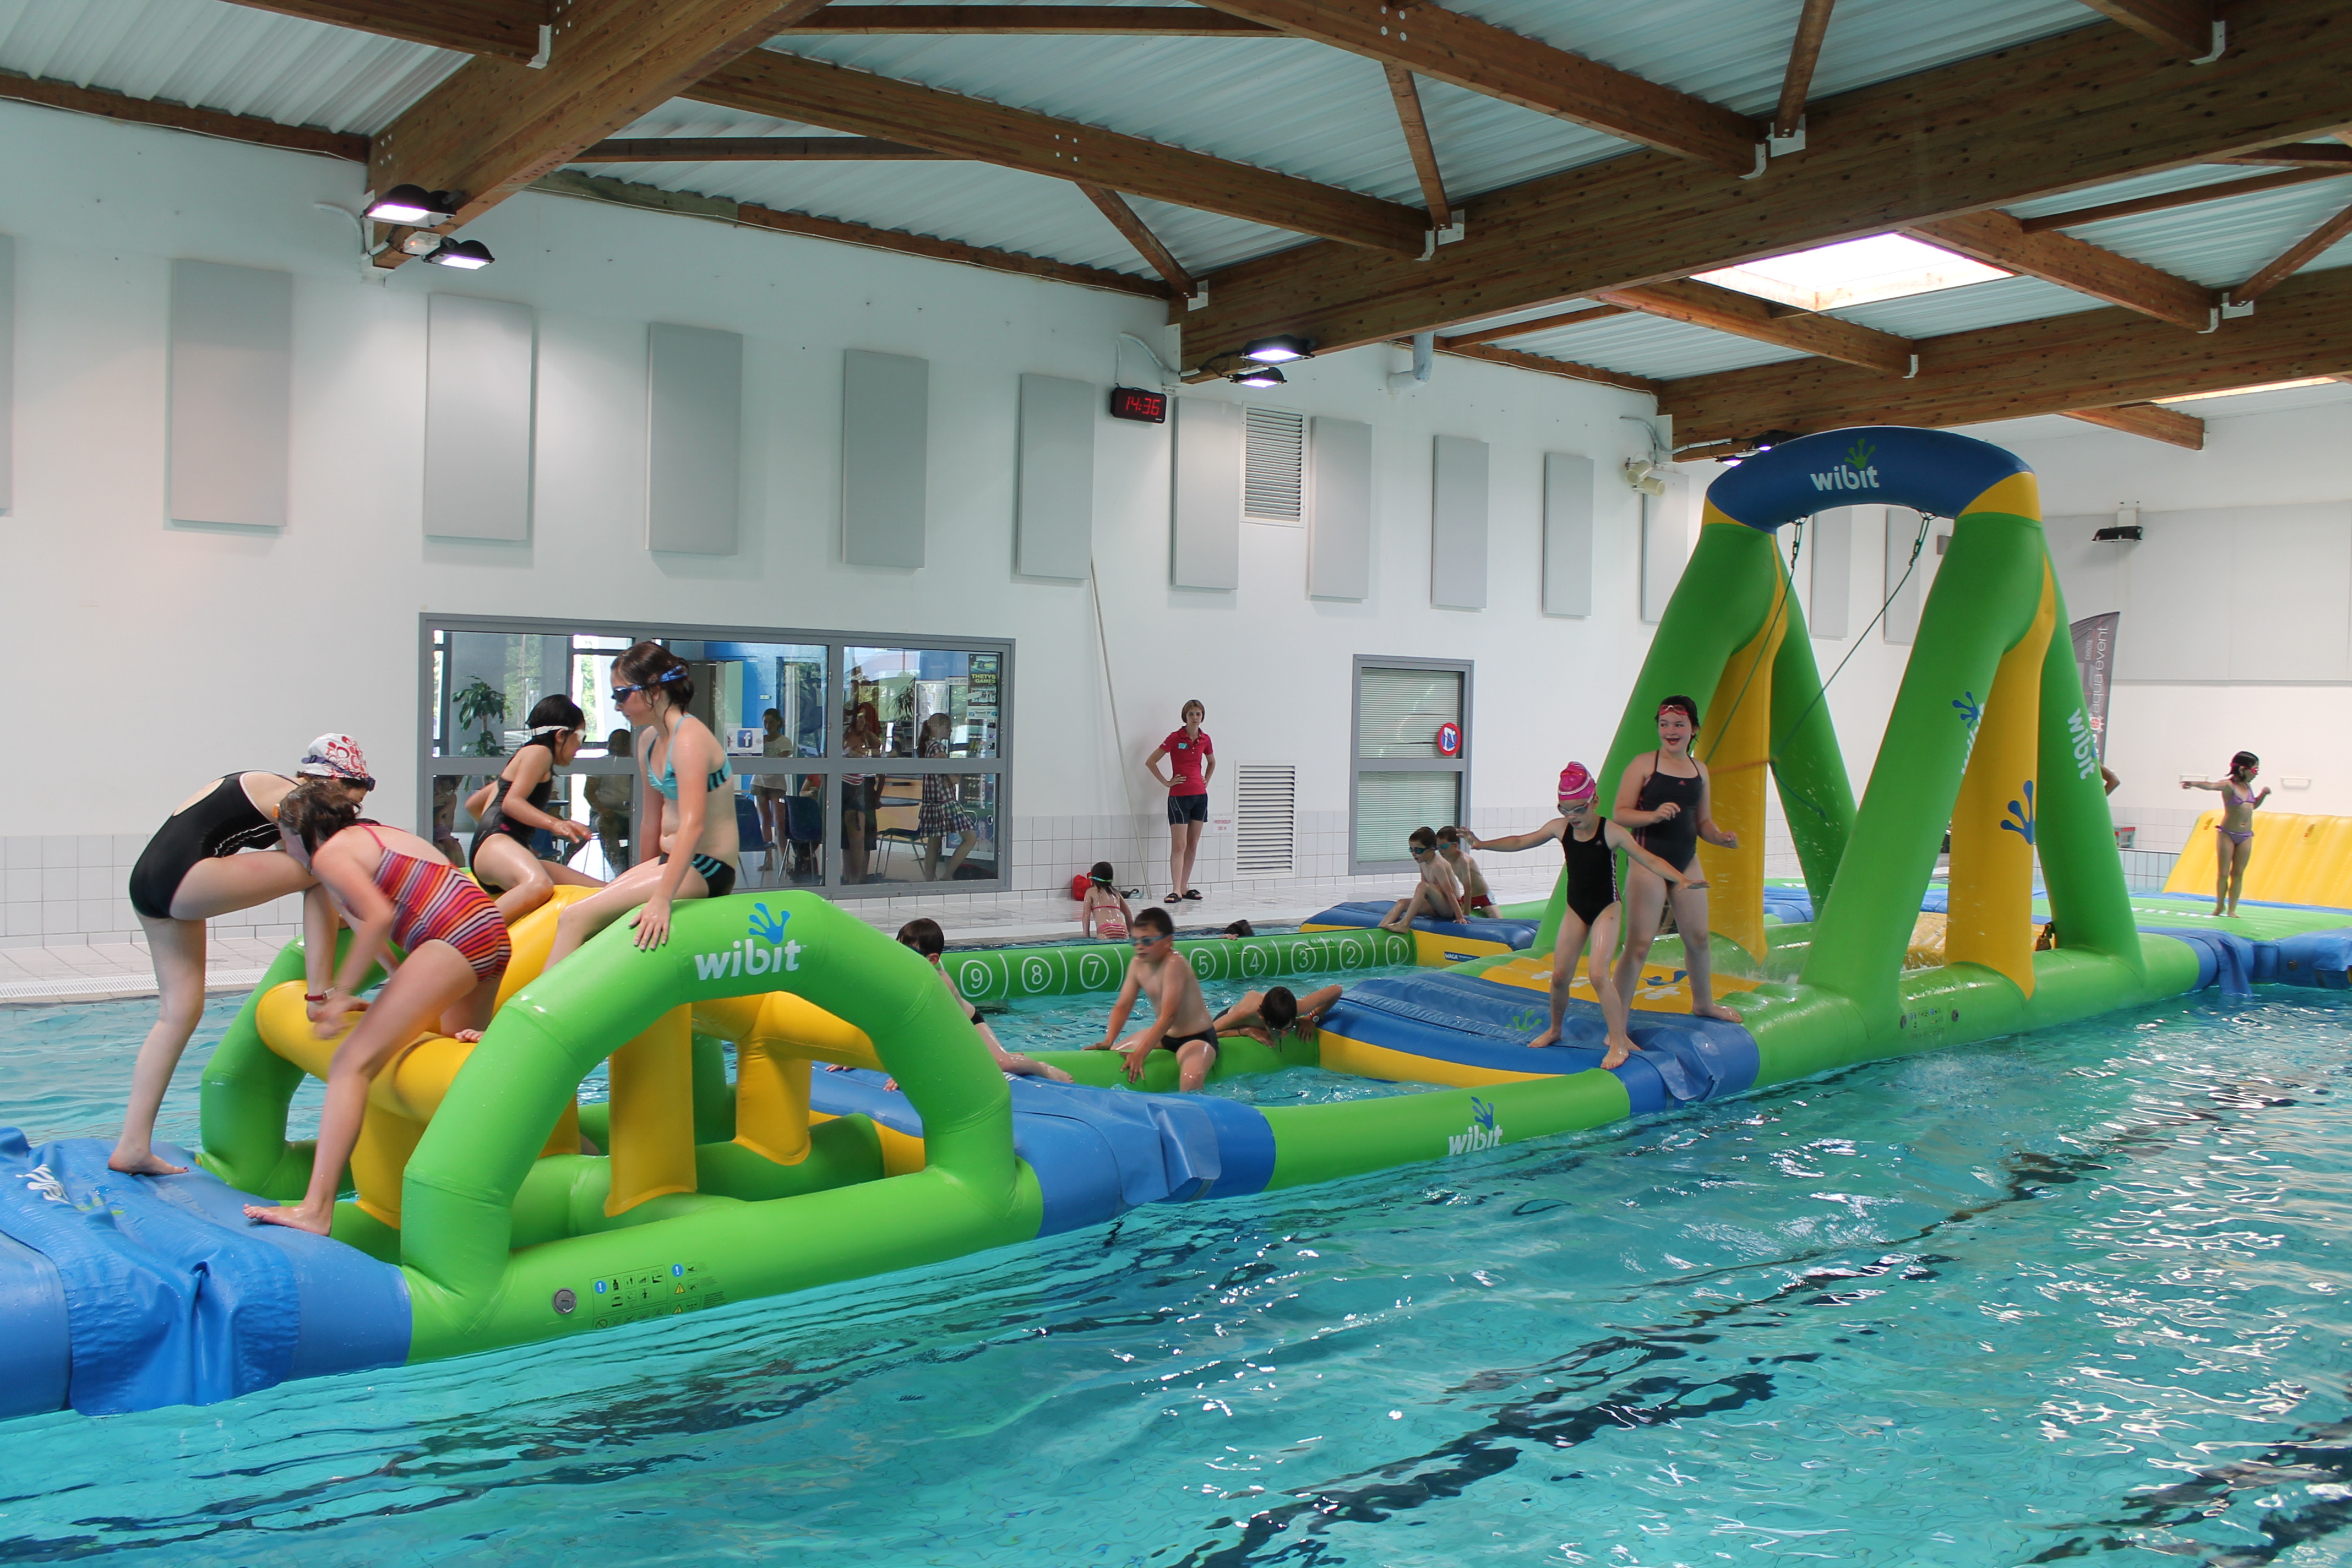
[1590,843]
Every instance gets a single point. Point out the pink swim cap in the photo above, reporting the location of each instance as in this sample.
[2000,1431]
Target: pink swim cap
[1575,783]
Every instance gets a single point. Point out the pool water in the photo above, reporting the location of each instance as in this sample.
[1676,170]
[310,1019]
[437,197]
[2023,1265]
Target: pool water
[2073,1296]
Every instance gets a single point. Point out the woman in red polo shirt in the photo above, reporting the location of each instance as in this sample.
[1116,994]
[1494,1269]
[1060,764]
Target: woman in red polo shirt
[1191,760]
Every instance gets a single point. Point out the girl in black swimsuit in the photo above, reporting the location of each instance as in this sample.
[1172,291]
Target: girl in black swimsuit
[512,811]
[190,872]
[1589,845]
[1665,795]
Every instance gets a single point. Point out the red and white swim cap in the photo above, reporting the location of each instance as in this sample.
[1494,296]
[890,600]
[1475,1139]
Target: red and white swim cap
[1575,783]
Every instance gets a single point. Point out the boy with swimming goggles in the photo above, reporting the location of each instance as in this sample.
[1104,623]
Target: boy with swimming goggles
[1181,1022]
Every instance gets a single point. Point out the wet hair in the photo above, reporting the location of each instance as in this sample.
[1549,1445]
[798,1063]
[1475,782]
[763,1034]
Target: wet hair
[1689,709]
[2243,761]
[316,810]
[1449,836]
[1241,928]
[1279,1009]
[557,711]
[653,666]
[1101,873]
[1190,703]
[1422,839]
[1155,920]
[924,936]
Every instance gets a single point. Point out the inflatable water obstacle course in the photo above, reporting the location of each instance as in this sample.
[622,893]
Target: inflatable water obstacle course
[475,1221]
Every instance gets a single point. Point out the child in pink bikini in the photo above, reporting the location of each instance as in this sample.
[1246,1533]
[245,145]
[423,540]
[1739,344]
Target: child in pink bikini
[2235,842]
[1104,915]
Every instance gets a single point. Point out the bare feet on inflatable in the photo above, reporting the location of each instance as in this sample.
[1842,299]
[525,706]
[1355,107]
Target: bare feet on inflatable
[293,1216]
[1621,1049]
[143,1163]
[1716,1010]
[1549,1038]
[466,1036]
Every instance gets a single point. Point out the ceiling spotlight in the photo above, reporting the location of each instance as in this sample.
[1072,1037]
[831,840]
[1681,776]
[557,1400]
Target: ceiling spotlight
[1643,476]
[415,205]
[1771,438]
[471,254]
[1279,350]
[1258,375]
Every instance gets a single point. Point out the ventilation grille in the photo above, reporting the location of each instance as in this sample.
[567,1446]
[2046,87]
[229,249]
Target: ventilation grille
[1265,819]
[1274,464]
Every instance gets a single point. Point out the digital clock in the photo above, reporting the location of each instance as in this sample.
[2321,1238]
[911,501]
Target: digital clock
[1134,402]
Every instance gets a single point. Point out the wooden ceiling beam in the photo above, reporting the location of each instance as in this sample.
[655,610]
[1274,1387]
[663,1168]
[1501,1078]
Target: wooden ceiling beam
[2062,364]
[495,126]
[1744,315]
[2300,253]
[1478,57]
[2185,28]
[182,116]
[1415,126]
[2063,113]
[1804,53]
[751,149]
[749,214]
[2152,420]
[1099,21]
[1546,366]
[2000,239]
[1540,324]
[1139,234]
[500,29]
[2295,153]
[2196,196]
[789,87]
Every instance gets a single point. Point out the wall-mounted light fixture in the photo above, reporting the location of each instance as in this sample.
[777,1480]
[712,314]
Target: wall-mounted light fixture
[1258,375]
[1279,350]
[415,205]
[471,255]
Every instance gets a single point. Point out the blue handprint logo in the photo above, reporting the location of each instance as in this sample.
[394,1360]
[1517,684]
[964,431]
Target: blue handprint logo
[1858,456]
[1971,711]
[769,927]
[2022,815]
[1482,1114]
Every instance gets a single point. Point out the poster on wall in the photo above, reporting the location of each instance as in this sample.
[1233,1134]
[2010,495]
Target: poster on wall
[2095,656]
[980,704]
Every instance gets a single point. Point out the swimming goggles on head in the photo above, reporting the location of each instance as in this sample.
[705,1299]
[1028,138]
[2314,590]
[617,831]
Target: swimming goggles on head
[662,679]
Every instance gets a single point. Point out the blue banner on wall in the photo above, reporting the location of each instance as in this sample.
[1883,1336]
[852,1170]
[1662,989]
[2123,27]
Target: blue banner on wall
[2094,655]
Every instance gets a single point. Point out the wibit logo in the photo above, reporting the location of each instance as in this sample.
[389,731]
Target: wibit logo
[1482,1133]
[43,1182]
[764,951]
[1856,473]
[2019,820]
[2086,744]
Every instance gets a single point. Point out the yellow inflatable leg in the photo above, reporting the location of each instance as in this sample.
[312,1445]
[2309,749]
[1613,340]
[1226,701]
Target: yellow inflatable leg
[772,1102]
[380,1159]
[653,1114]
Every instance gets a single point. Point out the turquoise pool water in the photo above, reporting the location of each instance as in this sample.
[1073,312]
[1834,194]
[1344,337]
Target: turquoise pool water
[2078,1296]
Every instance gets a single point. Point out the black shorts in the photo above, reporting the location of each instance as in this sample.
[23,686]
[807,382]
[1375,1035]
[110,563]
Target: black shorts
[1182,808]
[1178,1042]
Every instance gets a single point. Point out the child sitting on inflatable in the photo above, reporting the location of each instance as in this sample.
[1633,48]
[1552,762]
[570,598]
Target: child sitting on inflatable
[1437,896]
[1182,1025]
[1589,845]
[1478,898]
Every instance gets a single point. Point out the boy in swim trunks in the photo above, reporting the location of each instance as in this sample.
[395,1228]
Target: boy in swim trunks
[1267,1015]
[1478,898]
[1437,895]
[1182,1022]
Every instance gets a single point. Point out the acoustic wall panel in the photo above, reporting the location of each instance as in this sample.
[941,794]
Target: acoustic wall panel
[1339,492]
[1901,622]
[7,374]
[1828,542]
[478,417]
[1567,534]
[1053,518]
[232,393]
[694,439]
[885,424]
[1205,547]
[1457,524]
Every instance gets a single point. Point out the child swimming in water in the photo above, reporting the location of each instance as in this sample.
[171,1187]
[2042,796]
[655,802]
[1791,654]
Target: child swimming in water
[2233,844]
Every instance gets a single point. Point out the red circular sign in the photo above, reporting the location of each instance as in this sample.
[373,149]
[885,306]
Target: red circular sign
[1449,739]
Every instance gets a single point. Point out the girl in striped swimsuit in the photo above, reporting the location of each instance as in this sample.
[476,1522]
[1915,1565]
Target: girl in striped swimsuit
[392,887]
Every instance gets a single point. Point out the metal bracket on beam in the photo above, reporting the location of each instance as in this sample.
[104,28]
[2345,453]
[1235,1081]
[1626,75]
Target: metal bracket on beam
[1780,146]
[1434,237]
[1199,302]
[2231,310]
[1763,156]
[1914,370]
[546,48]
[2221,42]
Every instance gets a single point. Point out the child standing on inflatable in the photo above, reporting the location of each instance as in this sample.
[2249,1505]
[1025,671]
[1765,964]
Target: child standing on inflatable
[190,872]
[1192,764]
[2233,844]
[1666,795]
[1589,845]
[512,811]
[1104,914]
[687,807]
[1183,1024]
[391,887]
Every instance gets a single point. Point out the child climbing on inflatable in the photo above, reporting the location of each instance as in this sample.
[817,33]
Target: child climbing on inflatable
[1267,1015]
[1478,898]
[1437,896]
[1666,795]
[1183,1024]
[2233,844]
[512,811]
[1589,845]
[925,937]
[392,887]
[1104,912]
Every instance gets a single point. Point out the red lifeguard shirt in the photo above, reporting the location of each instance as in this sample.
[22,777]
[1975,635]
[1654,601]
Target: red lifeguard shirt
[1186,757]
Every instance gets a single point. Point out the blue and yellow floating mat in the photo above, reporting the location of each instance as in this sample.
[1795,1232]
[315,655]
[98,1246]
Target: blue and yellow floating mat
[1435,942]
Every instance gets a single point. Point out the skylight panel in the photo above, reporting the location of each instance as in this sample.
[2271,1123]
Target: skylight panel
[1854,272]
[2243,391]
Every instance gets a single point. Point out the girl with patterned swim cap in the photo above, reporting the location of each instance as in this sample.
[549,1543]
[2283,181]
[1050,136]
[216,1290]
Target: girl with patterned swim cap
[1590,844]
[1668,797]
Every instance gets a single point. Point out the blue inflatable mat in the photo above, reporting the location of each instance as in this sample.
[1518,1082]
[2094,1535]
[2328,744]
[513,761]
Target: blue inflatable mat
[1098,1153]
[2223,959]
[1789,906]
[152,1290]
[1476,1023]
[2312,958]
[1514,934]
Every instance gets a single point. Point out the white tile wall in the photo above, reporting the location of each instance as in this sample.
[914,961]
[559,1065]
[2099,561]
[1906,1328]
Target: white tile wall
[63,890]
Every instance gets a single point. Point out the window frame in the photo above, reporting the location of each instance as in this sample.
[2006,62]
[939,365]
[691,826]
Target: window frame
[1359,764]
[830,766]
